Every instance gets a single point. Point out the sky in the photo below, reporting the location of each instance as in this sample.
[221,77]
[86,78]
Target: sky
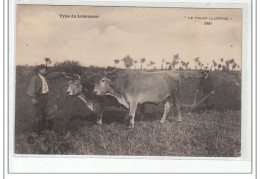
[151,33]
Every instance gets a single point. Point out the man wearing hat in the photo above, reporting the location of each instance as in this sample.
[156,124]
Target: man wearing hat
[38,90]
[207,87]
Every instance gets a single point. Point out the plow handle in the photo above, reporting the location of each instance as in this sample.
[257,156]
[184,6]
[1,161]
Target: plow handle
[194,105]
[195,97]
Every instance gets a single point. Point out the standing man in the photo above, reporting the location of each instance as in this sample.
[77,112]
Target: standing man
[207,87]
[38,90]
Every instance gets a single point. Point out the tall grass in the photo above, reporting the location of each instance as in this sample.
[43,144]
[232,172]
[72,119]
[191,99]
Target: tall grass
[69,67]
[207,134]
[200,134]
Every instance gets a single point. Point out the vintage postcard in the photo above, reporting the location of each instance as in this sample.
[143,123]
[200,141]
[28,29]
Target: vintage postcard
[128,81]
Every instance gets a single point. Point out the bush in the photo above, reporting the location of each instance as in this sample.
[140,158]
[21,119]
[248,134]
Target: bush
[69,67]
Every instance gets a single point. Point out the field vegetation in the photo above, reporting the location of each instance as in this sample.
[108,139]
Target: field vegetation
[208,133]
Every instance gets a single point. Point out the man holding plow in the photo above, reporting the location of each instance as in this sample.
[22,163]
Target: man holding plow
[207,87]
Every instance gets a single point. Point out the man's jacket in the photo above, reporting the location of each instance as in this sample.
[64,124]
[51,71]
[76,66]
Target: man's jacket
[206,84]
[35,87]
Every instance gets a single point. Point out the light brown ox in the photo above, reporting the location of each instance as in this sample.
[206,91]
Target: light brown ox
[137,87]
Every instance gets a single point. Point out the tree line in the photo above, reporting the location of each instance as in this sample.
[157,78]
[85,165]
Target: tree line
[221,65]
[130,63]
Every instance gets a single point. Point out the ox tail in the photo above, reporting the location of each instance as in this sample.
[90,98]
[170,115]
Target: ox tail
[176,101]
[178,87]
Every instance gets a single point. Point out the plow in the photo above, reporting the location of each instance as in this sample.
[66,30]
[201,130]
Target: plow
[187,107]
[195,103]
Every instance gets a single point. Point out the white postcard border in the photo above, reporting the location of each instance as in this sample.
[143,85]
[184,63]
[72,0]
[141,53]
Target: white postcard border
[122,164]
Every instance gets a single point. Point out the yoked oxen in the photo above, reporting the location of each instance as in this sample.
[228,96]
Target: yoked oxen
[137,87]
[84,90]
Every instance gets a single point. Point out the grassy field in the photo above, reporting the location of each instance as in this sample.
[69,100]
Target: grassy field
[214,133]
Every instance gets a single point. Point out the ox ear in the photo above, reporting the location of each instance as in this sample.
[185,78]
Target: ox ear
[75,77]
[110,78]
[111,74]
[89,73]
[110,82]
[71,76]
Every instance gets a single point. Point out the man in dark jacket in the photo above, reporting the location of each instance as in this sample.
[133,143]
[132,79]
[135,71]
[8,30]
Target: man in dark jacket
[38,90]
[207,87]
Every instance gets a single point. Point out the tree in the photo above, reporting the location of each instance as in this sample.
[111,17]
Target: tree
[163,60]
[222,64]
[151,64]
[47,61]
[234,66]
[232,61]
[219,66]
[200,65]
[128,61]
[175,61]
[142,61]
[227,65]
[214,64]
[183,64]
[116,61]
[135,62]
[197,61]
[168,65]
[187,65]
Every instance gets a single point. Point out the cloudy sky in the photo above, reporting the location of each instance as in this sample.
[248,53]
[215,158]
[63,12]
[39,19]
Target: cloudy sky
[151,33]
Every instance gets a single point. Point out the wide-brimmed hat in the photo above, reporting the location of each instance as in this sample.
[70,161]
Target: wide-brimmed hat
[42,66]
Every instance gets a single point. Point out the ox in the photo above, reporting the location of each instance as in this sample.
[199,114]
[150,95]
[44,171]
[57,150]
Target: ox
[97,104]
[137,87]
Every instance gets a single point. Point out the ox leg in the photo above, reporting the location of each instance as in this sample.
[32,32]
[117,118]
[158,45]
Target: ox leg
[140,110]
[131,115]
[167,107]
[99,118]
[126,116]
[100,114]
[178,106]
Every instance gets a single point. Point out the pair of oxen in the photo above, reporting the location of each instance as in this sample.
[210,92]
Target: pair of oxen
[127,88]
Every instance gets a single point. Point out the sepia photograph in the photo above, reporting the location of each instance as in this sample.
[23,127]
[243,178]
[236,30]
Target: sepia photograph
[128,81]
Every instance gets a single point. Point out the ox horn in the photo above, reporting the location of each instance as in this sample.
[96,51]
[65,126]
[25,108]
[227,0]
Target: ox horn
[66,76]
[77,76]
[110,72]
[91,73]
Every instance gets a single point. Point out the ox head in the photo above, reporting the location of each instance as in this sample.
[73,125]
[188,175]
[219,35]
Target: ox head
[75,86]
[103,84]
